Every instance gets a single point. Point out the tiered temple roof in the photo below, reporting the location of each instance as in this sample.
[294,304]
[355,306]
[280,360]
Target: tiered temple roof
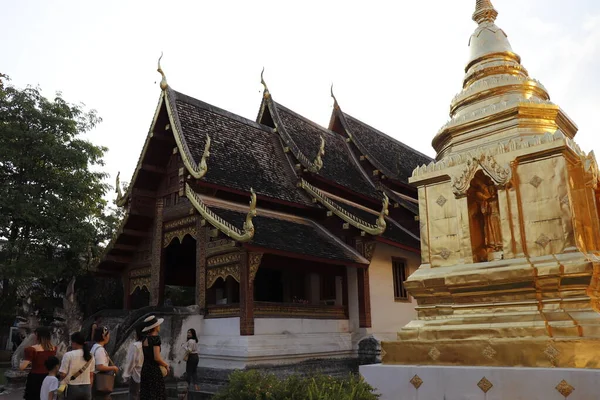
[308,186]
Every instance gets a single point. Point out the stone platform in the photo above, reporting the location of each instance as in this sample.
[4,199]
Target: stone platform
[405,382]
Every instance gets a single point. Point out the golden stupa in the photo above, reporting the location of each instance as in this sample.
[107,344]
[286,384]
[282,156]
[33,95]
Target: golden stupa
[509,226]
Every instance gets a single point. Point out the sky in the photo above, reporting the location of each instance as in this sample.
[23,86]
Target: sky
[394,64]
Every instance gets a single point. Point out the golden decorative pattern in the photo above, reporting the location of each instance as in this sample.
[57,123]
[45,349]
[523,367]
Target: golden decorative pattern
[267,309]
[501,175]
[445,253]
[254,263]
[564,388]
[178,223]
[434,353]
[212,274]
[317,164]
[179,234]
[485,385]
[343,214]
[542,240]
[441,201]
[370,250]
[219,246]
[134,273]
[489,352]
[416,381]
[536,181]
[552,354]
[223,259]
[241,235]
[565,200]
[142,282]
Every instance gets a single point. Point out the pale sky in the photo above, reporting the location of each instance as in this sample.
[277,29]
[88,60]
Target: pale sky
[395,64]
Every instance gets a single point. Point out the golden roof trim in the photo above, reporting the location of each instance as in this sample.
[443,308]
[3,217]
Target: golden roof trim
[163,81]
[241,235]
[484,12]
[266,92]
[317,164]
[196,170]
[373,229]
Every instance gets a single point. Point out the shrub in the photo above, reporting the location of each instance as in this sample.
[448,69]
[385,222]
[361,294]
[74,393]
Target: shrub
[255,385]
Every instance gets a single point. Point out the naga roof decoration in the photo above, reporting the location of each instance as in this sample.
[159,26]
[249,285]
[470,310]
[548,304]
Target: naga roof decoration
[241,235]
[373,229]
[393,158]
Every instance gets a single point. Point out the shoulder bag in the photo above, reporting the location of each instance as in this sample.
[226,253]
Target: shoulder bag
[104,381]
[64,387]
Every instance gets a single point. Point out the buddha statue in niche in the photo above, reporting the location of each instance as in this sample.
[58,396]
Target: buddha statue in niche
[486,234]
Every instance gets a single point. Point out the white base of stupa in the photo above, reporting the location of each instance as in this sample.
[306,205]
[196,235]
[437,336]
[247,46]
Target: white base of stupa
[393,382]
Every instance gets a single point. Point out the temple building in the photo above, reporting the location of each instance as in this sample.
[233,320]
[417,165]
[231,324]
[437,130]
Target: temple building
[292,239]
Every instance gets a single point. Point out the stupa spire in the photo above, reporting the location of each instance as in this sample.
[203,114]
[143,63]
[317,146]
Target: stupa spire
[484,12]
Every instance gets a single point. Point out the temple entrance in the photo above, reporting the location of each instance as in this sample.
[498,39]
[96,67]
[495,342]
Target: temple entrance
[140,297]
[180,272]
[484,219]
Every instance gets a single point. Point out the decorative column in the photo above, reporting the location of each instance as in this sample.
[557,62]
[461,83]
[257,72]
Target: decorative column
[126,291]
[364,293]
[246,297]
[157,287]
[201,241]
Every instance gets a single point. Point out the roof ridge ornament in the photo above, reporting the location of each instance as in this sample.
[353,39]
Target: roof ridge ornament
[335,102]
[203,167]
[318,163]
[119,199]
[163,82]
[484,12]
[266,93]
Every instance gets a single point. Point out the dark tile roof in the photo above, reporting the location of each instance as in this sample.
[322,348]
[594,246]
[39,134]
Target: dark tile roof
[338,164]
[393,231]
[298,236]
[391,157]
[243,154]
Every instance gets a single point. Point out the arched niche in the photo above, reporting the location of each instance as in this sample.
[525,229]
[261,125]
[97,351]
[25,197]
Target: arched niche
[484,218]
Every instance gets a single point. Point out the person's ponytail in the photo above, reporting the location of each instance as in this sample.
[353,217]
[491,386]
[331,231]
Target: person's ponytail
[78,338]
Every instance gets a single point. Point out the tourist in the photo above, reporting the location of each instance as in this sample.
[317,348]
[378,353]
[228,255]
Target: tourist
[191,358]
[102,361]
[133,366]
[93,328]
[152,385]
[36,356]
[50,383]
[77,369]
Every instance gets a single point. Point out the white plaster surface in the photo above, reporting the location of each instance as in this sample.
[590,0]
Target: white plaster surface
[460,383]
[388,316]
[270,326]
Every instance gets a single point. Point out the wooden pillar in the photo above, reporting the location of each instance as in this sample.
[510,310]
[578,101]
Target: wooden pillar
[246,297]
[157,287]
[201,241]
[364,298]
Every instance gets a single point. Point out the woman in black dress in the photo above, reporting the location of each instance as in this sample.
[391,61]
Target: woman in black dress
[152,384]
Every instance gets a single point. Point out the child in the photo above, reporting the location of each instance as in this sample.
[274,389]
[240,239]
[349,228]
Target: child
[50,384]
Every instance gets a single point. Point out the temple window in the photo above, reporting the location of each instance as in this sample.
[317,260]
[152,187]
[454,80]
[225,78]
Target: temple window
[484,219]
[223,292]
[180,272]
[400,274]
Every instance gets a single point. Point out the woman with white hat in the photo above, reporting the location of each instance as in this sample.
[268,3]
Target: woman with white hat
[154,369]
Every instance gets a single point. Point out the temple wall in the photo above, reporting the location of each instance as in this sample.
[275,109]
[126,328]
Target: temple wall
[388,314]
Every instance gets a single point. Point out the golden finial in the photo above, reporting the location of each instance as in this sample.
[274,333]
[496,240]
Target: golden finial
[163,82]
[484,12]
[266,92]
[118,186]
[335,103]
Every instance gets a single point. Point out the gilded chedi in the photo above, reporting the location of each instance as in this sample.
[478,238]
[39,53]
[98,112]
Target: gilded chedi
[509,226]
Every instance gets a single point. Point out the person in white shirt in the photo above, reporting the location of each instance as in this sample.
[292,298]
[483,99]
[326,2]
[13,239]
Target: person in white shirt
[77,369]
[50,383]
[101,359]
[132,372]
[191,352]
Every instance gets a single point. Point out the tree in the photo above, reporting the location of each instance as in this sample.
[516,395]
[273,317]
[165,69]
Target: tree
[53,217]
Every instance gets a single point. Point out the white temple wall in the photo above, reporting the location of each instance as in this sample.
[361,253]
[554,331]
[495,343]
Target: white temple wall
[388,315]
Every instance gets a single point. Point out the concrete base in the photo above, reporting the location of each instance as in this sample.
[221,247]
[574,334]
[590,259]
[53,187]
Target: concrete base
[465,383]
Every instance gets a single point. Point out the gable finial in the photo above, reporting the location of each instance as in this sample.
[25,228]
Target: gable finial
[262,80]
[484,12]
[335,102]
[318,163]
[118,186]
[163,82]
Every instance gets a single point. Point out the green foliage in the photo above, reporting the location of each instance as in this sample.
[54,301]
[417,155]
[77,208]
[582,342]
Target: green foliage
[255,385]
[53,218]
